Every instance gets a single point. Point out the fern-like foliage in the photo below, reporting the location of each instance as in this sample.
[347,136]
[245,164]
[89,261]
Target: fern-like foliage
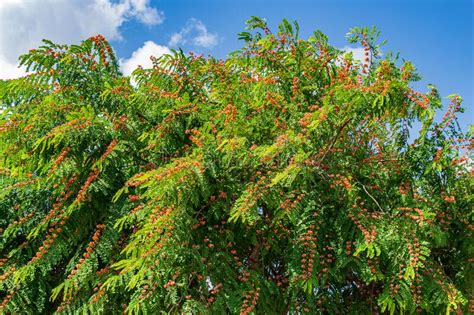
[286,179]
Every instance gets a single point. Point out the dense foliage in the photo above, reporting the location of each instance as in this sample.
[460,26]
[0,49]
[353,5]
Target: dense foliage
[287,178]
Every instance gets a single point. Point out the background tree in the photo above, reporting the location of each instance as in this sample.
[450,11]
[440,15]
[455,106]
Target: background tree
[286,178]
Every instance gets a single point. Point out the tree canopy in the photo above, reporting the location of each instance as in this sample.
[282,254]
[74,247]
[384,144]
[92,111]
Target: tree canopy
[288,178]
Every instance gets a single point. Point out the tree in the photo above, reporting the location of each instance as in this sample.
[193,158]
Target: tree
[285,179]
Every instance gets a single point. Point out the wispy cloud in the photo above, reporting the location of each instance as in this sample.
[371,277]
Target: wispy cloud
[195,33]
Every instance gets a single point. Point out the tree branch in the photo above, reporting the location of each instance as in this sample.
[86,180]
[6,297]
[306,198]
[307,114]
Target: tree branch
[335,138]
[371,197]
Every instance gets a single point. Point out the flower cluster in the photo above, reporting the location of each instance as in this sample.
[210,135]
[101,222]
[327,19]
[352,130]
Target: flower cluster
[81,196]
[147,290]
[394,286]
[178,167]
[99,293]
[23,183]
[418,98]
[230,113]
[444,219]
[417,218]
[60,159]
[365,44]
[161,228]
[194,136]
[294,87]
[306,120]
[165,94]
[406,72]
[340,180]
[50,238]
[133,198]
[250,301]
[309,241]
[214,292]
[8,272]
[234,254]
[121,90]
[244,276]
[386,87]
[369,235]
[103,47]
[7,299]
[59,202]
[449,199]
[349,248]
[454,107]
[20,222]
[169,284]
[77,123]
[470,308]
[292,201]
[119,123]
[253,194]
[89,250]
[109,149]
[324,56]
[102,271]
[326,258]
[438,155]
[414,252]
[373,263]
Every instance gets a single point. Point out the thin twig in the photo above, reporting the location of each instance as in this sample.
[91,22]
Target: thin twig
[378,205]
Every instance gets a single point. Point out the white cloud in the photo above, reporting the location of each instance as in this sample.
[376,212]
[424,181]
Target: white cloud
[24,24]
[195,33]
[176,39]
[357,53]
[10,70]
[141,57]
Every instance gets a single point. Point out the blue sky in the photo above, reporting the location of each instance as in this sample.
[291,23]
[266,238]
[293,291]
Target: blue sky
[436,35]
